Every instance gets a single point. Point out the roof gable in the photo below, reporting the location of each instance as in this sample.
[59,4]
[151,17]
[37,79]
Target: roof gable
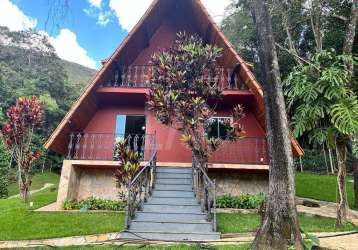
[134,48]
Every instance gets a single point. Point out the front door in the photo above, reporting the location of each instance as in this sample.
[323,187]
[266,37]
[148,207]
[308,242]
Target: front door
[132,129]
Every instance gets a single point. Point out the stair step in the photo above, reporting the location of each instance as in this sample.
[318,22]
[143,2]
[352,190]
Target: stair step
[174,187]
[174,175]
[171,208]
[173,181]
[173,201]
[200,227]
[172,193]
[166,236]
[171,217]
[174,170]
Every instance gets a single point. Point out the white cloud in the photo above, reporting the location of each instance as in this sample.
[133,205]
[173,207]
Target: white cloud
[13,18]
[95,3]
[129,12]
[67,48]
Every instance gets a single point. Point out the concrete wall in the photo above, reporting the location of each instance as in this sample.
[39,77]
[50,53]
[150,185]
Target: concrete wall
[240,183]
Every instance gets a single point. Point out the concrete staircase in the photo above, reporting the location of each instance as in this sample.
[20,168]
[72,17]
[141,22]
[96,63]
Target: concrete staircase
[172,213]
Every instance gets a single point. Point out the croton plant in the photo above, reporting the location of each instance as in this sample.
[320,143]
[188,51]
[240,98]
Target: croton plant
[184,93]
[22,119]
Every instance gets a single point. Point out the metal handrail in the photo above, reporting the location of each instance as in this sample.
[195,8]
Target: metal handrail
[141,186]
[205,191]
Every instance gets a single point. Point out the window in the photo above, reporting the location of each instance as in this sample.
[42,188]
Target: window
[216,127]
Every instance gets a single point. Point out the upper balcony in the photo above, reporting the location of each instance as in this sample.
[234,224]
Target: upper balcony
[137,77]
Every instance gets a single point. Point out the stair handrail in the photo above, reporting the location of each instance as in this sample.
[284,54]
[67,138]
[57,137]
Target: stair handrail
[205,191]
[141,186]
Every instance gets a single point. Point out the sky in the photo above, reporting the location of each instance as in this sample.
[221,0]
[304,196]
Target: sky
[90,30]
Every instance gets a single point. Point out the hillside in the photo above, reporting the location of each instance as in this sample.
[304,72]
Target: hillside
[77,74]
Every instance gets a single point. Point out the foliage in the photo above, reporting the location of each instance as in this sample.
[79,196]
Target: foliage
[4,169]
[22,119]
[29,67]
[319,97]
[129,165]
[312,160]
[181,86]
[93,203]
[245,201]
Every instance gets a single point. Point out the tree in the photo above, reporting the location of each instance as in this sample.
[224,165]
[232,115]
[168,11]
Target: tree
[182,84]
[22,119]
[279,227]
[322,104]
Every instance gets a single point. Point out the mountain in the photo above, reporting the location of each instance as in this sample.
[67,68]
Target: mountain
[37,43]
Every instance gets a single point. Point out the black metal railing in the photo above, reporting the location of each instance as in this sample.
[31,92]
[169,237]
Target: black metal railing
[248,150]
[205,191]
[100,146]
[137,76]
[141,186]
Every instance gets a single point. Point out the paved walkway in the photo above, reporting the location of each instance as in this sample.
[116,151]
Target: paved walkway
[343,240]
[326,209]
[46,185]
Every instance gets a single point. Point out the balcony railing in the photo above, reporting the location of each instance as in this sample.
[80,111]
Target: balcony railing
[83,146]
[137,76]
[243,151]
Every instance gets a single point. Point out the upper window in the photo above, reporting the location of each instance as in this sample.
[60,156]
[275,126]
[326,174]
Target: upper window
[216,127]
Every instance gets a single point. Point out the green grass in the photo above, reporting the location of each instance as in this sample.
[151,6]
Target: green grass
[321,187]
[241,223]
[19,222]
[38,181]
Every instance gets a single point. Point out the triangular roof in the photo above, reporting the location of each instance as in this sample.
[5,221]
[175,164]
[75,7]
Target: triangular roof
[147,26]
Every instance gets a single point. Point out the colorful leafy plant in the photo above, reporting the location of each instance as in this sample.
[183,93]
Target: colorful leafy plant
[184,93]
[22,119]
[129,165]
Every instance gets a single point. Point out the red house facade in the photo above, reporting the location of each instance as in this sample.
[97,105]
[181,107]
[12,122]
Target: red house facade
[114,106]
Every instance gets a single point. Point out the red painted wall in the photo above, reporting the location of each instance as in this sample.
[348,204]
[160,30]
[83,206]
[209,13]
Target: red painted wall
[169,146]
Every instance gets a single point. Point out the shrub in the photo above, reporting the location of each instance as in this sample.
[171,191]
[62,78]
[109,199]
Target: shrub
[4,171]
[93,203]
[245,201]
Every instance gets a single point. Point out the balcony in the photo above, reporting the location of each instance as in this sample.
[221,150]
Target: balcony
[137,76]
[100,147]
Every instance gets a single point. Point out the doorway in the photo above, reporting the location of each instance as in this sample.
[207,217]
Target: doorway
[132,129]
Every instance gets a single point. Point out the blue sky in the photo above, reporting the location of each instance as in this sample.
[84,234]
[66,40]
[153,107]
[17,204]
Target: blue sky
[90,30]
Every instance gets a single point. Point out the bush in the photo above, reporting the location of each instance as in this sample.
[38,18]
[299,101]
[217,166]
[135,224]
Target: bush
[94,204]
[4,171]
[313,160]
[245,201]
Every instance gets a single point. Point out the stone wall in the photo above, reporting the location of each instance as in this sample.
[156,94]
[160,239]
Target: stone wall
[236,183]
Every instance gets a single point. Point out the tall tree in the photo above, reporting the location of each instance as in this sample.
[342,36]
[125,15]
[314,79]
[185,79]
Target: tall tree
[279,227]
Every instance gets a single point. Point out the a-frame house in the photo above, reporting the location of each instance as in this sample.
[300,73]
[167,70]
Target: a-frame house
[114,106]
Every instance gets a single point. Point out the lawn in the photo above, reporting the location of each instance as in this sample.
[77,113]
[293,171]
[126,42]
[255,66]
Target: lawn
[321,187]
[38,181]
[18,221]
[241,223]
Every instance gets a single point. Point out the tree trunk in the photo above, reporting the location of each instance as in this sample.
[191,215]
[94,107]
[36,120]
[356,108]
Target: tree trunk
[355,174]
[342,206]
[279,227]
[351,29]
